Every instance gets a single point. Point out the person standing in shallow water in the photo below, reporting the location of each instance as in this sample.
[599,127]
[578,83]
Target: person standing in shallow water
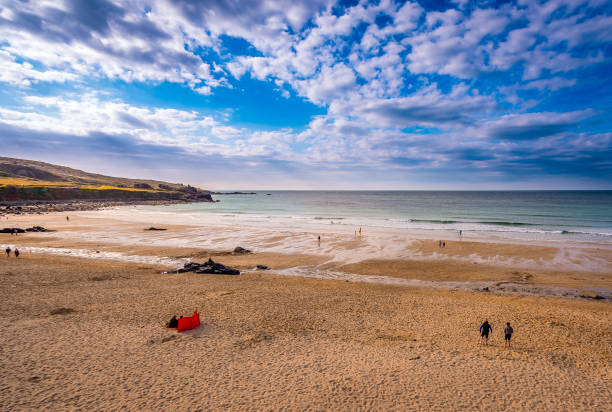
[485,329]
[16,252]
[508,331]
[8,251]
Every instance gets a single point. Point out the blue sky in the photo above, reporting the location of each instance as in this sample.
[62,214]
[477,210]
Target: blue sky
[314,94]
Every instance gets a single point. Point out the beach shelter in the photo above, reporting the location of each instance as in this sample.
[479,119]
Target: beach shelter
[189,322]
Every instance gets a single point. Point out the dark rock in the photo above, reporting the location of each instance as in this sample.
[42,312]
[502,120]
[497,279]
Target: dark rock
[241,251]
[12,230]
[189,267]
[155,228]
[262,267]
[38,229]
[30,229]
[486,289]
[207,267]
[216,268]
[597,297]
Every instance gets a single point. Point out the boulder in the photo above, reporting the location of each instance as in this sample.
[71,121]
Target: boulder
[241,251]
[207,267]
[216,268]
[262,267]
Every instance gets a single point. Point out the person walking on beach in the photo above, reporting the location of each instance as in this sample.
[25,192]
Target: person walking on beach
[485,329]
[67,218]
[16,252]
[439,243]
[443,245]
[8,251]
[508,331]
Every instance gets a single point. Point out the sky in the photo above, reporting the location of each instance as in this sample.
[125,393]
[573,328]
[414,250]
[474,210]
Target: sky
[315,94]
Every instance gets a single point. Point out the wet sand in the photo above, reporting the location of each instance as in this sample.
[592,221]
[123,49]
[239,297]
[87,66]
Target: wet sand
[586,269]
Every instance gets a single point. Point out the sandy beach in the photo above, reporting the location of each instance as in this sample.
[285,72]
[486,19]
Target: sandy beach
[87,332]
[305,205]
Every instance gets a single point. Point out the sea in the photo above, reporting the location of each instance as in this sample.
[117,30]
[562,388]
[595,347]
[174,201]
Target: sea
[580,216]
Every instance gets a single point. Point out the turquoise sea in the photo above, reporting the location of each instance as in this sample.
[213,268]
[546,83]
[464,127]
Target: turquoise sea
[537,215]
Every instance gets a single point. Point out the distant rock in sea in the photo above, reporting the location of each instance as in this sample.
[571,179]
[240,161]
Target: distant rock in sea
[233,193]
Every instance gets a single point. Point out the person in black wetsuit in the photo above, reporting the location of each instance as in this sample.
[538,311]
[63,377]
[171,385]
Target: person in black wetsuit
[173,322]
[8,251]
[485,329]
[508,331]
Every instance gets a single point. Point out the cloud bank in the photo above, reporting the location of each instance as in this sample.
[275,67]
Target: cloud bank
[390,94]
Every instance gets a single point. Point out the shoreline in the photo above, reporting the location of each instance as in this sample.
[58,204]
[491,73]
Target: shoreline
[40,207]
[582,272]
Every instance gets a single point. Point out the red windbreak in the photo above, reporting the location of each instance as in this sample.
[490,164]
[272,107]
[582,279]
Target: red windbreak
[189,322]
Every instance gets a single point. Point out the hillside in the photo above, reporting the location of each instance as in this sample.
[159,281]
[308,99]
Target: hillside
[29,180]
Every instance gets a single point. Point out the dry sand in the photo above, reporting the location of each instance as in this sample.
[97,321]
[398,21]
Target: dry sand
[269,343]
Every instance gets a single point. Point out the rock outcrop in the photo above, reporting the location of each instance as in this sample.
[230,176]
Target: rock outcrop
[207,267]
[30,229]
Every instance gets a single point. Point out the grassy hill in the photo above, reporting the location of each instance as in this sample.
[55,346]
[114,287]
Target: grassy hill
[27,180]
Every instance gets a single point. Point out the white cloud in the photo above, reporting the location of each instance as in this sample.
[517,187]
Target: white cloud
[24,73]
[554,83]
